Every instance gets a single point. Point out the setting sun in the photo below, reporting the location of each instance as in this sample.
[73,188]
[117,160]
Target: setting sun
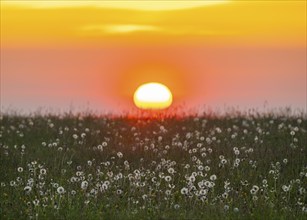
[152,96]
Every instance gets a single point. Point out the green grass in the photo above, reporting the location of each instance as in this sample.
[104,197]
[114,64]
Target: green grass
[127,162]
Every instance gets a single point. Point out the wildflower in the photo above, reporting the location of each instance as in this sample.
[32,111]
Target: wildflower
[119,192]
[110,173]
[168,178]
[120,154]
[192,178]
[99,147]
[184,191]
[79,173]
[154,179]
[254,190]
[211,184]
[27,189]
[171,170]
[302,190]
[236,209]
[126,163]
[60,190]
[244,183]
[225,195]
[203,192]
[168,192]
[207,183]
[176,206]
[103,187]
[43,171]
[200,167]
[36,202]
[213,177]
[285,188]
[107,182]
[19,169]
[84,185]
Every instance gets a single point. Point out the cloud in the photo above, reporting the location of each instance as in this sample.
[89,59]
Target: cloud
[119,28]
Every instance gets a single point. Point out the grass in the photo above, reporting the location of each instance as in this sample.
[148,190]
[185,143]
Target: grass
[205,167]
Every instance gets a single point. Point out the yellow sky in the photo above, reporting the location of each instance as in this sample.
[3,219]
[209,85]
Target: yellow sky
[124,4]
[71,23]
[237,52]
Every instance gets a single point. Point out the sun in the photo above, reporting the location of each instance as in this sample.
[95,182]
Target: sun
[152,95]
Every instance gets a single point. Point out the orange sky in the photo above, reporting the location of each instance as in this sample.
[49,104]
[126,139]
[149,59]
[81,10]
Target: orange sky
[238,53]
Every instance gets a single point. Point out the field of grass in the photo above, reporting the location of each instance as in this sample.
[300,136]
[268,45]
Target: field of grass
[87,167]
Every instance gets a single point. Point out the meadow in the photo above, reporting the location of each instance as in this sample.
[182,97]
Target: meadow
[241,166]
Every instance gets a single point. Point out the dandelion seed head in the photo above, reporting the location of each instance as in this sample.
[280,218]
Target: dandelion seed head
[60,190]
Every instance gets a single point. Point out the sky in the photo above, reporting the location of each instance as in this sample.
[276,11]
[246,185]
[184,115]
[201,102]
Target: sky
[61,55]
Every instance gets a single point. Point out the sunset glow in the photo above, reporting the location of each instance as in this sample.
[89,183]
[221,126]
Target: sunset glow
[152,96]
[96,53]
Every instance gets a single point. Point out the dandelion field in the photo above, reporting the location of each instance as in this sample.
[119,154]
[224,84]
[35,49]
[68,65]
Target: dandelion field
[87,167]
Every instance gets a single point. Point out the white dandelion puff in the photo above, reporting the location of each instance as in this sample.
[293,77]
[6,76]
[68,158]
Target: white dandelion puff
[60,190]
[168,178]
[120,154]
[27,189]
[184,191]
[84,185]
[213,177]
